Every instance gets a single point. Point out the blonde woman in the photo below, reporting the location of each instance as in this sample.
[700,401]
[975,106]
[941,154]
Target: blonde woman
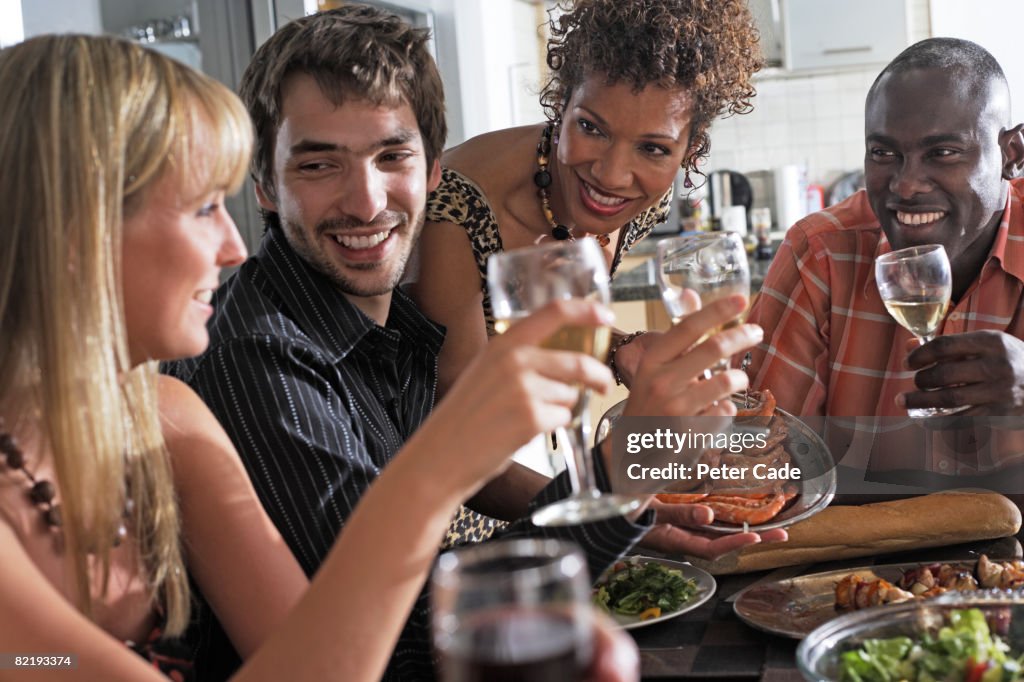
[113,480]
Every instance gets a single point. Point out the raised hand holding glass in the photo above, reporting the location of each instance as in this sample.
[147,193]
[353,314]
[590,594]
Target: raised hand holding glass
[915,286]
[712,265]
[524,280]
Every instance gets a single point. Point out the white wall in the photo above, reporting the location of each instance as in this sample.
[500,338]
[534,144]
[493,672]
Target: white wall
[996,26]
[498,64]
[486,48]
[11,27]
[527,70]
[813,121]
[61,16]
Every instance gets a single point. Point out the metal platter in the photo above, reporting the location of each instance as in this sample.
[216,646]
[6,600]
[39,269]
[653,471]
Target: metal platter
[808,452]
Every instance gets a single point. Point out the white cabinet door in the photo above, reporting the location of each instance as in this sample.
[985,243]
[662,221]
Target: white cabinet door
[768,19]
[830,33]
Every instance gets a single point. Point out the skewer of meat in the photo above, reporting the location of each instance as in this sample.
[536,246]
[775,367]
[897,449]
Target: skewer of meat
[853,592]
[928,581]
[1004,575]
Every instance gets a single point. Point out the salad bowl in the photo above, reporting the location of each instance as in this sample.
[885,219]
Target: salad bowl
[970,636]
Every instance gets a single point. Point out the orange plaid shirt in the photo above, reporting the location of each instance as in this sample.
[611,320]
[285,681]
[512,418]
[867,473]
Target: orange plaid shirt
[831,348]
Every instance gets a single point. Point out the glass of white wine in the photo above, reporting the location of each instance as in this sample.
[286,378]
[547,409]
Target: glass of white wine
[712,264]
[915,286]
[524,280]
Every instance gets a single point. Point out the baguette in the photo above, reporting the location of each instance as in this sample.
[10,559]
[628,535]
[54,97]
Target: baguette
[842,532]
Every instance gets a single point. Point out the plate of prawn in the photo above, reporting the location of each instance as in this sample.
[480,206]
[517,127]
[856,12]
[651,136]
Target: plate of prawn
[772,498]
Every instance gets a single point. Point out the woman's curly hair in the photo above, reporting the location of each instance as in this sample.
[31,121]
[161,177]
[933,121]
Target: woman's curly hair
[709,47]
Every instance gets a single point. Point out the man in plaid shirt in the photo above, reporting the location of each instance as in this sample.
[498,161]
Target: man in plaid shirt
[940,162]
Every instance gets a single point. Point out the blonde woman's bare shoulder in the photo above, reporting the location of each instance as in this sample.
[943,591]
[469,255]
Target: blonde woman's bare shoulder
[183,414]
[177,400]
[205,460]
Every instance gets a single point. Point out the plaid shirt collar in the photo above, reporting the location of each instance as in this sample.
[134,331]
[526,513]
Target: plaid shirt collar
[1007,252]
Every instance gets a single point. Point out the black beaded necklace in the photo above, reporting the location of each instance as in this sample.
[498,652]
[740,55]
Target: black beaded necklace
[42,492]
[542,178]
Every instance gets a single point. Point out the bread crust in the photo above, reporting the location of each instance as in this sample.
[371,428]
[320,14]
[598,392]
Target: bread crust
[844,532]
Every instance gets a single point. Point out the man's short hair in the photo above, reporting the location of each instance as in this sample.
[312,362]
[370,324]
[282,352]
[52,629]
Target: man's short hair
[356,52]
[969,60]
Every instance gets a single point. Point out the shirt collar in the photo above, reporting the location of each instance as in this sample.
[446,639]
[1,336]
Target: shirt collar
[1007,249]
[321,310]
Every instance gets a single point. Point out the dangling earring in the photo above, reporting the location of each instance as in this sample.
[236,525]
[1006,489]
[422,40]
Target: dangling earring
[555,131]
[687,182]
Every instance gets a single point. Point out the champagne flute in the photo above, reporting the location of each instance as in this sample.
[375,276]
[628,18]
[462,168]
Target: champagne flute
[915,285]
[516,611]
[520,282]
[713,265]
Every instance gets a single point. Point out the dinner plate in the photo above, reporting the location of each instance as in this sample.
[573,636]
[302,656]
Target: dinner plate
[808,452]
[706,587]
[795,606]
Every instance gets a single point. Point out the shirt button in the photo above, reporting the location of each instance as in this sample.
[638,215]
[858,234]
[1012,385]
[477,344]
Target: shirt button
[943,465]
[955,316]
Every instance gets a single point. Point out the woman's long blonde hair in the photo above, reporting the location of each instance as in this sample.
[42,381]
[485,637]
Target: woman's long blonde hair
[87,125]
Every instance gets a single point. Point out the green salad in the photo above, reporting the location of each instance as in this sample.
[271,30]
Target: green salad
[963,651]
[643,588]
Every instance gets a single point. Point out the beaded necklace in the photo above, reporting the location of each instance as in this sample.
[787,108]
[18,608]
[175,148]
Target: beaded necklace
[42,492]
[542,179]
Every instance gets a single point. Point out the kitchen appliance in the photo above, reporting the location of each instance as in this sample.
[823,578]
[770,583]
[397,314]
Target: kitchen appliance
[727,188]
[734,219]
[847,185]
[790,195]
[785,191]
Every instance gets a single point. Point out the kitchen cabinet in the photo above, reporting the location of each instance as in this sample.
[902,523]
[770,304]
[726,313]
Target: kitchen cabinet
[768,18]
[824,34]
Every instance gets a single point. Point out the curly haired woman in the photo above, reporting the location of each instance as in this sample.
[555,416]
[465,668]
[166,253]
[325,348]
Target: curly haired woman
[633,90]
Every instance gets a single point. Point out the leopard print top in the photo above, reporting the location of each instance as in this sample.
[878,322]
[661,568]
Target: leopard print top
[458,200]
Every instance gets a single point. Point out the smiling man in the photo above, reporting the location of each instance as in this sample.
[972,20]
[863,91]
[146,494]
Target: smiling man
[940,161]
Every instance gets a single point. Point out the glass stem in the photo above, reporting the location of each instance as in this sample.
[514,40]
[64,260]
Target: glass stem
[578,457]
[556,443]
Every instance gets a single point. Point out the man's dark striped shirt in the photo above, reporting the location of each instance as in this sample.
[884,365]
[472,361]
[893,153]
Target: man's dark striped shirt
[317,399]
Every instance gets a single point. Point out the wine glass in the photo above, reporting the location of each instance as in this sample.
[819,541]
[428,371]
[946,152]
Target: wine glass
[713,265]
[520,282]
[516,610]
[915,286]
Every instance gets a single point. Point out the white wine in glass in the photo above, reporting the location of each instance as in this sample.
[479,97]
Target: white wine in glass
[921,315]
[713,265]
[524,280]
[592,341]
[915,285]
